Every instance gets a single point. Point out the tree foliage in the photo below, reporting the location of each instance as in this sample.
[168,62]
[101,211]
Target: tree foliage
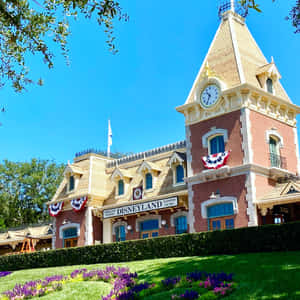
[25,187]
[293,16]
[36,26]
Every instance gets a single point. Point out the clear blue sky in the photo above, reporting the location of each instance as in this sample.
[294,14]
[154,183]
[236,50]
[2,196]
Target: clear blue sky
[161,50]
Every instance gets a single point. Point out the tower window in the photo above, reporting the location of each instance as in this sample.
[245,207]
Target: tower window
[217,144]
[274,153]
[71,183]
[270,85]
[149,183]
[120,187]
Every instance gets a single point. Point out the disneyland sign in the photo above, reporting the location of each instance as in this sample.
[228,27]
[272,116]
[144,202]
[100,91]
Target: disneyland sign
[140,207]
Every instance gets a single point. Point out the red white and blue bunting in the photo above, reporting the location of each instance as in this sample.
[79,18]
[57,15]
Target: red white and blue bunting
[215,161]
[55,209]
[79,203]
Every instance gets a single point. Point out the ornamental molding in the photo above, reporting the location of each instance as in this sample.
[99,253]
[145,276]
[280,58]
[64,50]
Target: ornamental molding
[243,96]
[227,171]
[218,200]
[117,224]
[276,134]
[213,132]
[67,226]
[178,214]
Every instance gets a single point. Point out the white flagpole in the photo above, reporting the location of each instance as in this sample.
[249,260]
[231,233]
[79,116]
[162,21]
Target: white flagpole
[109,139]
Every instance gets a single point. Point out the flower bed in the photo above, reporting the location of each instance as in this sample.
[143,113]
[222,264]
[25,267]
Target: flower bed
[126,286]
[4,273]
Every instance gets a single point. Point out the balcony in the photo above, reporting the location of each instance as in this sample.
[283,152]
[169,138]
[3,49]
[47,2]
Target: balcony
[277,161]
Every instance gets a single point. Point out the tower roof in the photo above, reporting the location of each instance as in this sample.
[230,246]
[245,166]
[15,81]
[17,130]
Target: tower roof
[234,57]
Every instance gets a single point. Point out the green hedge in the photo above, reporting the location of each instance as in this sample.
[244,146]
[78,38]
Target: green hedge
[285,237]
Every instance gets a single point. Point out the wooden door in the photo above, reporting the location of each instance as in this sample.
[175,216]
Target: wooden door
[221,223]
[70,242]
[149,234]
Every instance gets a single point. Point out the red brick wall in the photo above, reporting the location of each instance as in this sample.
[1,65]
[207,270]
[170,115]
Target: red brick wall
[73,217]
[233,186]
[259,125]
[263,185]
[231,122]
[97,229]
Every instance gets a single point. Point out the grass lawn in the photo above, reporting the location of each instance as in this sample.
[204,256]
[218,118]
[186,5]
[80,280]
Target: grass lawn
[261,276]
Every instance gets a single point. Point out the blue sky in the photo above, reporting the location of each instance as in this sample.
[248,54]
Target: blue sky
[161,50]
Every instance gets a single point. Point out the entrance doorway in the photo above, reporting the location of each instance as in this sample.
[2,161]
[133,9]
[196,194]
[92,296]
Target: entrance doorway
[221,223]
[71,242]
[149,229]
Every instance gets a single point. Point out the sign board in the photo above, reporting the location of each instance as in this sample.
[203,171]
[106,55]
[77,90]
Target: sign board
[140,207]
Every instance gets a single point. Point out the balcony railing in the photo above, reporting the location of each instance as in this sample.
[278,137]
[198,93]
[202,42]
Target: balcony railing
[277,161]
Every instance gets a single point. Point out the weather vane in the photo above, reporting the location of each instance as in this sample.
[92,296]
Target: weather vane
[234,6]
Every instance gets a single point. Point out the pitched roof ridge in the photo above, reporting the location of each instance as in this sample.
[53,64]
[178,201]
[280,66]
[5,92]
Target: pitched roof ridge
[236,50]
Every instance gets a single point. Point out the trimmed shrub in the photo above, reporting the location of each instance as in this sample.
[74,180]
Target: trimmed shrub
[285,237]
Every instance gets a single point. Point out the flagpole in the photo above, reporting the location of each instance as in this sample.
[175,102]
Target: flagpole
[109,139]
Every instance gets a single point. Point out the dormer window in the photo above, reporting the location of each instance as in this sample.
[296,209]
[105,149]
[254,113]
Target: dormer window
[269,85]
[216,144]
[179,174]
[121,187]
[150,172]
[71,183]
[121,179]
[177,163]
[149,181]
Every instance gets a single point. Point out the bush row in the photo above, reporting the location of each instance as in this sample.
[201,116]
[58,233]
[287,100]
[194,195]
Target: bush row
[285,237]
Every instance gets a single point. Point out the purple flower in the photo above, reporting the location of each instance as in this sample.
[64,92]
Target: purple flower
[4,273]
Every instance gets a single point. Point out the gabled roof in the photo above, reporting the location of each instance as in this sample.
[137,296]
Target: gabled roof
[121,173]
[283,189]
[148,166]
[269,69]
[234,57]
[73,169]
[177,157]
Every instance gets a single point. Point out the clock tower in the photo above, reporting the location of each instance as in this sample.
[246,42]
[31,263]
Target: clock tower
[240,132]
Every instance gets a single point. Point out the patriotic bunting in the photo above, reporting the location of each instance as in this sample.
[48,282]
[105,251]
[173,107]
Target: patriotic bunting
[79,203]
[55,209]
[215,161]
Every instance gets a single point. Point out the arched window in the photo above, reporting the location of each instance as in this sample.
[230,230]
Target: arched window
[179,174]
[120,187]
[71,183]
[181,225]
[120,233]
[274,152]
[270,85]
[216,144]
[220,216]
[70,237]
[149,183]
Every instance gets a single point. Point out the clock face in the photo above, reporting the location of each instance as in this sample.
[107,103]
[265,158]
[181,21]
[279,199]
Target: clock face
[210,95]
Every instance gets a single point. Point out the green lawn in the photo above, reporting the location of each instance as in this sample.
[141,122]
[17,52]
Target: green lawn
[262,276]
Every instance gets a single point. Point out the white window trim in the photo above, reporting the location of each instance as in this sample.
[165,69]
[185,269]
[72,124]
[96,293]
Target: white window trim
[213,133]
[117,224]
[218,200]
[178,214]
[274,133]
[146,218]
[67,226]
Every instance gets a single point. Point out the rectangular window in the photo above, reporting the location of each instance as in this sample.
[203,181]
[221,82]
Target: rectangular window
[219,210]
[217,144]
[71,183]
[149,225]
